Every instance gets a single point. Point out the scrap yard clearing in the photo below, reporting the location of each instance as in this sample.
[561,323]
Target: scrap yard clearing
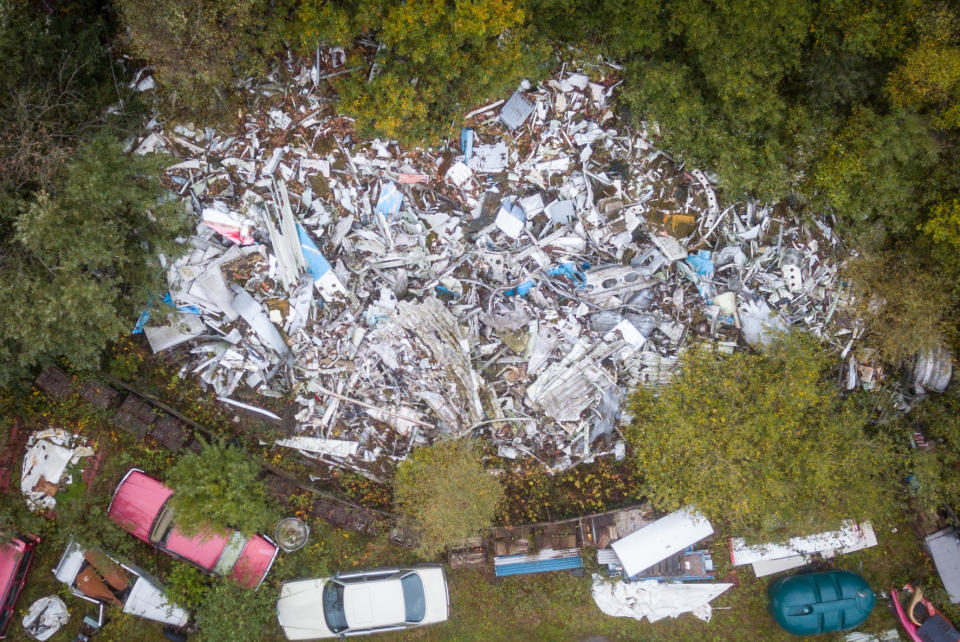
[516,285]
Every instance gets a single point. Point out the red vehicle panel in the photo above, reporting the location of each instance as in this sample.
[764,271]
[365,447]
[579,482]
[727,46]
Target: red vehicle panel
[254,562]
[203,549]
[15,558]
[137,502]
[140,500]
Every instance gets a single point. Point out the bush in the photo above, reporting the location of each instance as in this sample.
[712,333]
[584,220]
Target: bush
[82,516]
[437,59]
[446,492]
[80,260]
[220,487]
[907,306]
[202,49]
[877,169]
[762,444]
[187,586]
[231,612]
[55,83]
[935,474]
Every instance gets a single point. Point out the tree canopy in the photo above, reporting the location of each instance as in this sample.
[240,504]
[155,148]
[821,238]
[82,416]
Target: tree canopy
[762,444]
[203,49]
[81,220]
[445,491]
[434,59]
[219,486]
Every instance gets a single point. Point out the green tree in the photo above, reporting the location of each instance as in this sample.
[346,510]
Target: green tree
[445,491]
[877,170]
[79,258]
[435,59]
[907,306]
[750,88]
[220,486]
[55,86]
[230,612]
[761,444]
[713,86]
[927,76]
[203,49]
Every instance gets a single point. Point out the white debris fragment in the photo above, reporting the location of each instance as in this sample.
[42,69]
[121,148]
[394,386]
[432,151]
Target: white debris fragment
[458,174]
[489,159]
[49,455]
[503,287]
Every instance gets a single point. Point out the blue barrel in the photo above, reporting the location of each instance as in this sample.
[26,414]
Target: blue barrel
[820,602]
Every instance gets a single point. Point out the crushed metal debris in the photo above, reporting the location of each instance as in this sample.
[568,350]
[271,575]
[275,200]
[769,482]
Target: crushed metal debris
[516,287]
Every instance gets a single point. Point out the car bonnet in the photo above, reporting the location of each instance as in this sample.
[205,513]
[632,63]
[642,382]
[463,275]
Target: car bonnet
[374,603]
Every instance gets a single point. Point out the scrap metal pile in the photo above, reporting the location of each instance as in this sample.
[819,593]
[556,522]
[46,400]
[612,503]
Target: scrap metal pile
[517,285]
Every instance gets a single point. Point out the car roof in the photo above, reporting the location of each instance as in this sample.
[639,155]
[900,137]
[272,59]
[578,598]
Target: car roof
[374,603]
[137,501]
[203,549]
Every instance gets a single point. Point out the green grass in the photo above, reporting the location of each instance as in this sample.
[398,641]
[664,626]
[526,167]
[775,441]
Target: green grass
[559,606]
[551,606]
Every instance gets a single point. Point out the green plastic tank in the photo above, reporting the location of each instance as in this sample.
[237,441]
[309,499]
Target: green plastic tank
[814,603]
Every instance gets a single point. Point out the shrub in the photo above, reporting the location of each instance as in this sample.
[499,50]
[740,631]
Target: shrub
[231,612]
[762,444]
[446,492]
[906,305]
[436,59]
[202,49]
[219,486]
[80,260]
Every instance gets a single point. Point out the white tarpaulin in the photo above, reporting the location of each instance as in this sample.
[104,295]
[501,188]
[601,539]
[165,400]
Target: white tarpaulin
[654,600]
[45,617]
[49,454]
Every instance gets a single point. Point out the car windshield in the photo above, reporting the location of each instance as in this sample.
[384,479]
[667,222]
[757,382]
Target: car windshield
[333,607]
[413,598]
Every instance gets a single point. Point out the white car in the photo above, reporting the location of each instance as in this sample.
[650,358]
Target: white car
[98,578]
[364,602]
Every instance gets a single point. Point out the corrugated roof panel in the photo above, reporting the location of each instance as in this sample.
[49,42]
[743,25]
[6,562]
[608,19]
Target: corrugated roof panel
[538,566]
[658,541]
[516,111]
[945,551]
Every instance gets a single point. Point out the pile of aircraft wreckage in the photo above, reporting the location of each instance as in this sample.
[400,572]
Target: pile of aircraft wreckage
[517,285]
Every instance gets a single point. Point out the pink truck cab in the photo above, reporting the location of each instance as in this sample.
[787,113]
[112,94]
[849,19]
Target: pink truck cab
[15,559]
[140,506]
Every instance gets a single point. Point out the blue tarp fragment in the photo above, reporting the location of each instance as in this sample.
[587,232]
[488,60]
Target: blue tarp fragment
[521,289]
[702,263]
[390,201]
[440,289]
[317,264]
[569,270]
[145,315]
[466,143]
[324,278]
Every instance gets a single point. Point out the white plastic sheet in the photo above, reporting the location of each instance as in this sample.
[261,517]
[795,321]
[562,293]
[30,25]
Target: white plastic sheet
[49,453]
[45,617]
[654,600]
